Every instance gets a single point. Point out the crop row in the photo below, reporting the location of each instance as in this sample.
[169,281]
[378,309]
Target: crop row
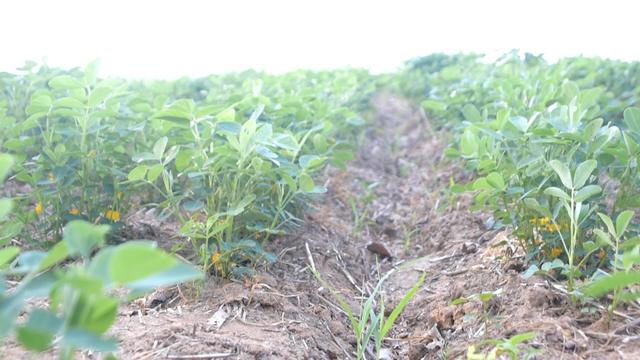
[555,149]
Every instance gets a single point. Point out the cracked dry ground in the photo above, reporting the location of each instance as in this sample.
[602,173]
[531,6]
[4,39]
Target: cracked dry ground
[284,313]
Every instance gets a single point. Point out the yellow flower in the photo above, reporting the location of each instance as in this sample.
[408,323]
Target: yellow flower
[51,177]
[119,194]
[74,211]
[38,208]
[555,252]
[545,220]
[552,227]
[602,253]
[533,221]
[112,215]
[215,257]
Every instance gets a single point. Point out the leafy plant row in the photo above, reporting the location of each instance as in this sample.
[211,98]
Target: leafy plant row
[229,156]
[555,148]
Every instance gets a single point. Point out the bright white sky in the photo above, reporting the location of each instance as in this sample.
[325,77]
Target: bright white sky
[169,39]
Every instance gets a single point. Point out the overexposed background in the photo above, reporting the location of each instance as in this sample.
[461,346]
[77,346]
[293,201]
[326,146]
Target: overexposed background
[169,39]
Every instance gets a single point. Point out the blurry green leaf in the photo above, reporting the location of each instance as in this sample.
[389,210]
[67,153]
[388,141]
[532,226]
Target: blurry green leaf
[587,192]
[623,221]
[609,223]
[609,283]
[154,172]
[134,261]
[81,339]
[6,163]
[563,173]
[471,113]
[159,147]
[82,237]
[7,254]
[557,192]
[6,205]
[306,183]
[65,82]
[583,171]
[137,173]
[632,119]
[55,255]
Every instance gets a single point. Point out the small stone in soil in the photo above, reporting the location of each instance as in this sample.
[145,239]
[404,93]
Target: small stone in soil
[379,249]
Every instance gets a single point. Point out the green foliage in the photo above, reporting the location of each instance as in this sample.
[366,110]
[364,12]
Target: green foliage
[510,347]
[81,305]
[232,157]
[544,140]
[371,324]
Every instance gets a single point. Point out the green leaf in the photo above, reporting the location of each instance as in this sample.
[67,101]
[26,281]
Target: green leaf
[306,183]
[98,95]
[7,254]
[65,82]
[134,261]
[583,171]
[82,237]
[38,332]
[308,162]
[179,273]
[81,339]
[68,102]
[469,143]
[563,172]
[533,204]
[587,192]
[401,305]
[180,112]
[609,223]
[226,115]
[632,119]
[557,192]
[34,339]
[6,205]
[603,238]
[630,243]
[622,222]
[56,254]
[434,105]
[101,315]
[154,172]
[606,284]
[159,147]
[137,173]
[495,179]
[6,163]
[471,113]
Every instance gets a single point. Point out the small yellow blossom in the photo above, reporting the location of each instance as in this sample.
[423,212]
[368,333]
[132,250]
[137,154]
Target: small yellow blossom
[552,227]
[51,177]
[119,194]
[215,258]
[38,208]
[545,220]
[74,211]
[555,252]
[602,253]
[112,215]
